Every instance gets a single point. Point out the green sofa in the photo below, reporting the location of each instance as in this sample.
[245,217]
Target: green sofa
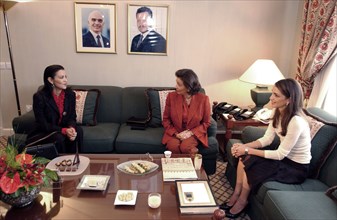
[308,200]
[111,134]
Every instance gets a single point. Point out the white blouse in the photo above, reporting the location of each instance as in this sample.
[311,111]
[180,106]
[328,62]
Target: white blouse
[295,145]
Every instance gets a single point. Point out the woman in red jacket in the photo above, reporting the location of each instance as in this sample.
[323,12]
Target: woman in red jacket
[187,115]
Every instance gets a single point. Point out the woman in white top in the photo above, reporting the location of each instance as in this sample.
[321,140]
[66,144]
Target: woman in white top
[289,163]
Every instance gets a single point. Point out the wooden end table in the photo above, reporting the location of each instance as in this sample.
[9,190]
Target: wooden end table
[231,124]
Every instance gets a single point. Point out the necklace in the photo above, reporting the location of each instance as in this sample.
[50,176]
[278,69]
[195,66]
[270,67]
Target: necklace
[188,99]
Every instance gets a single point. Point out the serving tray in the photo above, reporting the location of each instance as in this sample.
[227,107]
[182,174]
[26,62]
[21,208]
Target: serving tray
[151,167]
[74,170]
[94,182]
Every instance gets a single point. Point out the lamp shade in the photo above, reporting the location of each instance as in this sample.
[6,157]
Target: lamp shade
[7,4]
[262,72]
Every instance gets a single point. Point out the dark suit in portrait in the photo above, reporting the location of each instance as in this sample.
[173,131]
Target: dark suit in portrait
[89,41]
[153,43]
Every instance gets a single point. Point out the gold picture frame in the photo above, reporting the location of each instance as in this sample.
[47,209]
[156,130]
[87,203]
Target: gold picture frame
[194,193]
[152,22]
[92,19]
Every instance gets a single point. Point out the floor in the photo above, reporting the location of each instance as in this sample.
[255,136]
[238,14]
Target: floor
[219,184]
[221,187]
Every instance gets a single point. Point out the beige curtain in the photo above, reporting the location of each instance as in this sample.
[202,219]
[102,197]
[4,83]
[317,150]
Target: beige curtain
[318,43]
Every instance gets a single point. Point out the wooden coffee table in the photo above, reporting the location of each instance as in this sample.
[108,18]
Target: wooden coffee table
[80,204]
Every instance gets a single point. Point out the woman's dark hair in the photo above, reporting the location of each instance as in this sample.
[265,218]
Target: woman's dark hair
[50,71]
[292,90]
[190,80]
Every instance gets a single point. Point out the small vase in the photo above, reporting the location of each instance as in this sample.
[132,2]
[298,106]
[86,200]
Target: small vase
[23,199]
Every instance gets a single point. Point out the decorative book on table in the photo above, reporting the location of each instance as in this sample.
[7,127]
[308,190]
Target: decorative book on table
[178,169]
[195,197]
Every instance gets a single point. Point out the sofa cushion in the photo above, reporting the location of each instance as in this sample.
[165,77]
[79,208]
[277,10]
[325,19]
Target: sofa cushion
[86,106]
[299,205]
[139,141]
[156,101]
[322,144]
[100,138]
[307,185]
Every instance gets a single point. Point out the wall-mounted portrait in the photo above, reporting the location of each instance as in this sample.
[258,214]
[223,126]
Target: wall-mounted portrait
[147,29]
[95,25]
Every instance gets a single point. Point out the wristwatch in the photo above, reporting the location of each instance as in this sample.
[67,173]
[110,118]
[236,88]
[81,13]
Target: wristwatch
[246,151]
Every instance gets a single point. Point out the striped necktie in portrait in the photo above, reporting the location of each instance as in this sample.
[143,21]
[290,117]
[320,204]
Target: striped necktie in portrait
[99,44]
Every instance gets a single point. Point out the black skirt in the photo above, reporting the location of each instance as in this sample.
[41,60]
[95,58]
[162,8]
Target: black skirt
[260,170]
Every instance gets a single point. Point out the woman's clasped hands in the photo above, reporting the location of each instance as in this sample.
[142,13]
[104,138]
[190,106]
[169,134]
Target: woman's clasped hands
[238,150]
[184,134]
[71,133]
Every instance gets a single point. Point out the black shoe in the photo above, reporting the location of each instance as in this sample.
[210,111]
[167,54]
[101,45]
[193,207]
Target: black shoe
[225,207]
[230,215]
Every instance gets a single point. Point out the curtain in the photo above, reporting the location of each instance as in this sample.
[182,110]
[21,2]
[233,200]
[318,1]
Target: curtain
[323,94]
[318,41]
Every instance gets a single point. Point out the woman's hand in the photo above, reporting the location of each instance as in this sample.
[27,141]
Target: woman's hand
[184,135]
[71,133]
[238,150]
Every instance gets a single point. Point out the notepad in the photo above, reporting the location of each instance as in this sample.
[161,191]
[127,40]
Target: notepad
[178,169]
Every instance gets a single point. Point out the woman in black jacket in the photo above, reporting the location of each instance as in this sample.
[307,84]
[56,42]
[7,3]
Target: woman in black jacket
[55,113]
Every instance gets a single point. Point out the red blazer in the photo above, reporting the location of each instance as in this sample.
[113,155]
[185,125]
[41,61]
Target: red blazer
[198,116]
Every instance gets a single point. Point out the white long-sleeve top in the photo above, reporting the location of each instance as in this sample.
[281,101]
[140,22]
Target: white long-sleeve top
[295,145]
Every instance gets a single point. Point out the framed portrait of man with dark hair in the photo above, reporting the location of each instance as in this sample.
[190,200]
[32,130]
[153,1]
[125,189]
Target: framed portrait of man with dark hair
[148,29]
[95,25]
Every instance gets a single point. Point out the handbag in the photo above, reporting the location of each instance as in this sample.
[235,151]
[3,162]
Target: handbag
[137,123]
[48,151]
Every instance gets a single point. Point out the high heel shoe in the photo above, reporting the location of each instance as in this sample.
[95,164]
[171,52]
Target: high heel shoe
[230,215]
[225,207]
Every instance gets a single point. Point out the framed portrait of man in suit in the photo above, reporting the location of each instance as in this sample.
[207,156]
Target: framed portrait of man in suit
[95,25]
[148,29]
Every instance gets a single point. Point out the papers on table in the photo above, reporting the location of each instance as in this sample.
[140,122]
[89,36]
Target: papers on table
[177,169]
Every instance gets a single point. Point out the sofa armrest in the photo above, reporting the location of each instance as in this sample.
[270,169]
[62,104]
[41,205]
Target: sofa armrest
[251,133]
[211,131]
[23,124]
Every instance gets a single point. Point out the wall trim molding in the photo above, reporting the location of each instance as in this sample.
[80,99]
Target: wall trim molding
[6,131]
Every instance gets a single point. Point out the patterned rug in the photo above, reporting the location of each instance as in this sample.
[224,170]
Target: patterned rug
[3,141]
[218,181]
[220,185]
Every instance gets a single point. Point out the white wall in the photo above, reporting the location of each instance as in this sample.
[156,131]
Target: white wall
[219,40]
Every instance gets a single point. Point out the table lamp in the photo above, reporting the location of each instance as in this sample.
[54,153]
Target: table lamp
[262,73]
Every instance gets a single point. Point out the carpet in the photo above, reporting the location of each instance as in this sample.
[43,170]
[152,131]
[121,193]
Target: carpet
[218,181]
[220,185]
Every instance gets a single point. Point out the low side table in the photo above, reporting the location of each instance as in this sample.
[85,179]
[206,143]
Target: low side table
[231,124]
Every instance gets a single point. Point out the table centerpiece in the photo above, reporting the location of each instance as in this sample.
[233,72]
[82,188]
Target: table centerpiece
[22,176]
